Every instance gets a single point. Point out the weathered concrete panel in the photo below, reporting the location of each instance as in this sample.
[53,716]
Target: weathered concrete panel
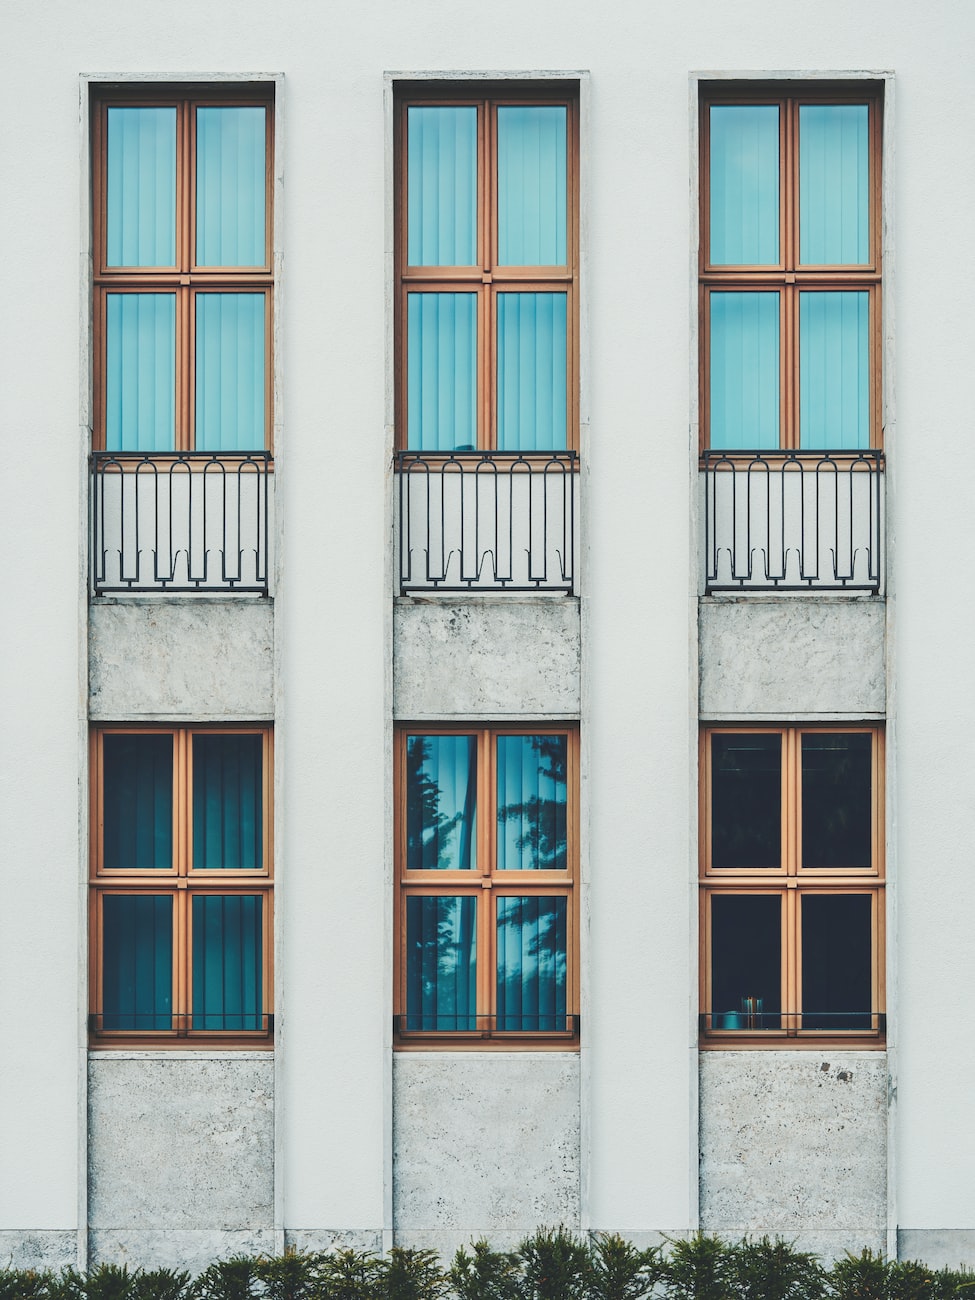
[316,1239]
[795,1143]
[192,658]
[177,1144]
[184,1248]
[789,657]
[938,1247]
[38,1249]
[486,657]
[483,1145]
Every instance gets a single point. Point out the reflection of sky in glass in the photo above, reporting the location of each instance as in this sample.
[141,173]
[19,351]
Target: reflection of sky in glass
[441,962]
[441,803]
[532,803]
[532,963]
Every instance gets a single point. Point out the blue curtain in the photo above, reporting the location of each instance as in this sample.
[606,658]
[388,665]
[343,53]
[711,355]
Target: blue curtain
[744,370]
[229,371]
[230,186]
[228,802]
[137,804]
[137,961]
[744,182]
[532,803]
[532,185]
[442,376]
[140,397]
[441,963]
[141,187]
[532,963]
[531,371]
[834,184]
[441,803]
[442,186]
[227,962]
[834,370]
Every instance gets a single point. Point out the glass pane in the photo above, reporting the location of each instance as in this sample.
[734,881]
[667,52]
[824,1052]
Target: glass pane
[441,803]
[229,371]
[531,371]
[442,375]
[532,803]
[228,802]
[137,774]
[836,802]
[532,963]
[137,961]
[834,184]
[836,961]
[744,371]
[140,365]
[230,186]
[531,186]
[746,801]
[140,210]
[441,963]
[227,962]
[744,180]
[834,370]
[442,186]
[746,961]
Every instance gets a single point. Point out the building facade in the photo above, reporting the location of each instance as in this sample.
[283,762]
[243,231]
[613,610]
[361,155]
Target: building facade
[488,730]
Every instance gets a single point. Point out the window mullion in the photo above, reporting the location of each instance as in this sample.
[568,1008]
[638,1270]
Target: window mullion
[792,962]
[487,961]
[182,973]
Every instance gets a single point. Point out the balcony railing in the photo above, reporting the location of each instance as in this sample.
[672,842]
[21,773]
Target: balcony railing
[793,521]
[180,521]
[487,521]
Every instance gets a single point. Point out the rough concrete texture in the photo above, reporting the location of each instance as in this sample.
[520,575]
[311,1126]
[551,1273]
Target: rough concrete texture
[42,1248]
[182,1249]
[938,1247]
[486,657]
[795,1143]
[789,657]
[179,1145]
[483,1144]
[313,1239]
[200,659]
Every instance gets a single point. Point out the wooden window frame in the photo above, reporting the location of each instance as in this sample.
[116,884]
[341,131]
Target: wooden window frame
[487,279]
[182,882]
[789,278]
[792,882]
[489,883]
[186,279]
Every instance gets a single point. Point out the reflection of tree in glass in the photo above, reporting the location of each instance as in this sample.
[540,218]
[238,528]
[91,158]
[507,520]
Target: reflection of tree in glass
[532,962]
[441,942]
[430,832]
[539,819]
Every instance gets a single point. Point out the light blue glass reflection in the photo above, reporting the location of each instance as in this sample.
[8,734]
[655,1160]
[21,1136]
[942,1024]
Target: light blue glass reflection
[441,963]
[137,961]
[229,371]
[834,370]
[532,963]
[227,802]
[442,372]
[230,186]
[744,371]
[834,184]
[441,803]
[227,962]
[532,185]
[744,181]
[531,371]
[532,824]
[442,186]
[140,372]
[141,187]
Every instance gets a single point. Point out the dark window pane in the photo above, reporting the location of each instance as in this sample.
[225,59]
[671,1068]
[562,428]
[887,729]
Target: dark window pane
[138,801]
[532,963]
[227,962]
[836,961]
[532,803]
[137,962]
[746,961]
[746,801]
[228,802]
[836,799]
[441,963]
[441,803]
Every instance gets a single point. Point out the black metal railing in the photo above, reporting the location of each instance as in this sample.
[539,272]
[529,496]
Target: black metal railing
[487,521]
[550,1024]
[793,1023]
[793,521]
[180,521]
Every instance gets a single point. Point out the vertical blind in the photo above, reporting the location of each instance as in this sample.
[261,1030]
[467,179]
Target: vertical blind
[532,795]
[140,397]
[442,186]
[227,962]
[744,183]
[441,962]
[531,371]
[441,803]
[137,961]
[229,371]
[834,184]
[532,963]
[442,378]
[137,804]
[744,370]
[532,185]
[140,206]
[228,831]
[230,186]
[834,369]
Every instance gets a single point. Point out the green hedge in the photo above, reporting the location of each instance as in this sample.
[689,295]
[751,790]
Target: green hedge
[554,1264]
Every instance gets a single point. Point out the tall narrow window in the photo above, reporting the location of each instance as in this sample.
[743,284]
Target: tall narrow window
[486,846]
[183,274]
[181,886]
[487,267]
[792,893]
[790,267]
